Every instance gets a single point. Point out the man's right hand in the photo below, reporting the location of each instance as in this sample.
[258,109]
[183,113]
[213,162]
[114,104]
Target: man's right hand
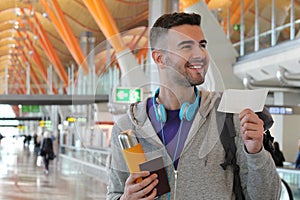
[140,190]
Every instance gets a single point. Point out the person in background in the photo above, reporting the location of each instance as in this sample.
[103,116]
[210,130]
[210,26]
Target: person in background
[180,124]
[278,155]
[47,150]
[297,163]
[37,144]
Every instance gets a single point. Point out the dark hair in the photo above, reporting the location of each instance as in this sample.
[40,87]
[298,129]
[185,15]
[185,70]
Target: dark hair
[167,21]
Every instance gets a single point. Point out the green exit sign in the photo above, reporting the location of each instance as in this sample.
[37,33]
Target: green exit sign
[30,108]
[127,95]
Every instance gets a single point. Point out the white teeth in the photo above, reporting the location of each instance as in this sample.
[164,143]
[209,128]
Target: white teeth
[196,67]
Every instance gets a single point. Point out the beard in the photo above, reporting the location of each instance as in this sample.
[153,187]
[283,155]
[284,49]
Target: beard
[184,75]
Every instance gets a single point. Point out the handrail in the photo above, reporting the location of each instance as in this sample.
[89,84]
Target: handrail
[288,189]
[288,170]
[95,149]
[279,28]
[291,182]
[88,155]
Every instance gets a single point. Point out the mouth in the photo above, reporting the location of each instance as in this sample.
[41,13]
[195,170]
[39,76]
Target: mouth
[195,66]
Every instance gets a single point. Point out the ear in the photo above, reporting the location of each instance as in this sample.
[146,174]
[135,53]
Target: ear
[158,57]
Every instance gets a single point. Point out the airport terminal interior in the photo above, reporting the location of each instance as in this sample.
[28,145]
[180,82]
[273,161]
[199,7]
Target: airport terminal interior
[71,68]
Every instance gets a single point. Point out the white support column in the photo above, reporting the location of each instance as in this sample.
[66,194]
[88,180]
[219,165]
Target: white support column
[156,9]
[292,20]
[273,24]
[50,82]
[69,81]
[242,30]
[286,128]
[228,22]
[91,56]
[256,37]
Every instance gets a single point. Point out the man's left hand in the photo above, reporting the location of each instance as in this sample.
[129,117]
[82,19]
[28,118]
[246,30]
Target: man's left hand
[252,130]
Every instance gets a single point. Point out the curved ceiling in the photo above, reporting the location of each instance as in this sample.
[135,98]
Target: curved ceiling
[28,37]
[31,37]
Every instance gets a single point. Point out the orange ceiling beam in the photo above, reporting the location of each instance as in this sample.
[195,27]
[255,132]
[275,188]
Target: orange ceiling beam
[77,54]
[33,75]
[38,63]
[188,3]
[25,60]
[139,38]
[142,53]
[16,110]
[217,4]
[21,82]
[53,57]
[49,50]
[143,50]
[35,54]
[106,23]
[57,17]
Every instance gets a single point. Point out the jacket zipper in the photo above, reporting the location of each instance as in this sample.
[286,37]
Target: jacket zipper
[175,183]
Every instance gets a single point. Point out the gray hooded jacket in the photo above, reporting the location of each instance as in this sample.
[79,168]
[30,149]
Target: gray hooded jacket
[199,174]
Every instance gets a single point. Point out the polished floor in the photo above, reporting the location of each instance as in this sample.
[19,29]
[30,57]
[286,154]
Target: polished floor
[21,179]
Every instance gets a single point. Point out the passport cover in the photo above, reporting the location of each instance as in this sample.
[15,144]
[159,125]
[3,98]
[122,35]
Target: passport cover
[156,166]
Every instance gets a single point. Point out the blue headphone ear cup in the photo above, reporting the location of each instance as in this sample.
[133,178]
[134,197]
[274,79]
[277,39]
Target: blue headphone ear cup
[182,112]
[162,113]
[191,109]
[190,112]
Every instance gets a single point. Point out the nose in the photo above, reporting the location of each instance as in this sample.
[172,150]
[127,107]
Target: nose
[199,51]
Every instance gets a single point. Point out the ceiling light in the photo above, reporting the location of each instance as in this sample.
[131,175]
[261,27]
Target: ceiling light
[16,26]
[45,15]
[18,12]
[32,13]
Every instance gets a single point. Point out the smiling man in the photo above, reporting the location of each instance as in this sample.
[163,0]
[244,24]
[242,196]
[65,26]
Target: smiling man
[180,124]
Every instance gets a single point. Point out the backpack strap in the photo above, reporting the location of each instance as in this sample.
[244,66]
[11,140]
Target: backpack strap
[227,139]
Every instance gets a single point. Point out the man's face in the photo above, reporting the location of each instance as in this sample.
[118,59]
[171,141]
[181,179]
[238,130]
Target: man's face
[186,55]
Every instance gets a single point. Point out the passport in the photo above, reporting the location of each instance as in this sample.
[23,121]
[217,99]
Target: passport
[156,166]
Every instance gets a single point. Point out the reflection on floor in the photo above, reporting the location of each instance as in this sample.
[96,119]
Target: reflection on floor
[21,179]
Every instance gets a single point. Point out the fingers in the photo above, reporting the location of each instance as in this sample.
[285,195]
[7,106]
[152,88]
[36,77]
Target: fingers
[152,195]
[251,127]
[134,176]
[146,191]
[142,189]
[250,122]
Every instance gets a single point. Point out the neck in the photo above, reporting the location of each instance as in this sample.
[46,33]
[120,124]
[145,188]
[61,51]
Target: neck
[172,99]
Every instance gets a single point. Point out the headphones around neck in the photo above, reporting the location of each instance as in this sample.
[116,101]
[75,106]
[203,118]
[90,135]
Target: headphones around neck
[187,110]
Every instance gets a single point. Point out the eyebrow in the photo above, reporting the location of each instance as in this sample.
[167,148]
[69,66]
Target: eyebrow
[203,41]
[191,42]
[186,42]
